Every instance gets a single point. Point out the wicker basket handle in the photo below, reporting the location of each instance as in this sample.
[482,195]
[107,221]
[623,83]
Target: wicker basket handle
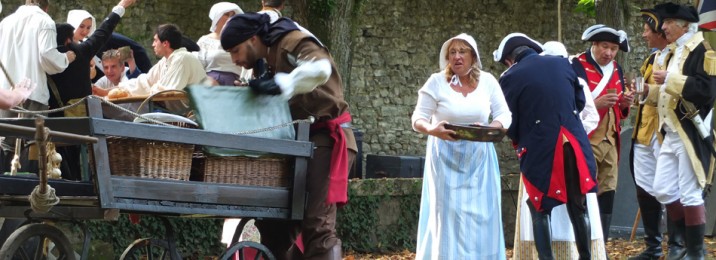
[139,109]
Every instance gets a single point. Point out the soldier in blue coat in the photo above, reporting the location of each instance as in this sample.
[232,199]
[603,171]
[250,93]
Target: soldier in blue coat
[556,160]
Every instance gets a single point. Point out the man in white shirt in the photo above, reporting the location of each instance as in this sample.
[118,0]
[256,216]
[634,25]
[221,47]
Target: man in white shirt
[177,68]
[26,37]
[114,72]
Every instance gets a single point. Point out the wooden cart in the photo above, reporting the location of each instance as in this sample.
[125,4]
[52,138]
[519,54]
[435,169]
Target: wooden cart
[104,196]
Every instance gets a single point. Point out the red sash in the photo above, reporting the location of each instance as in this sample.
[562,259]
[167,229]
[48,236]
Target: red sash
[338,177]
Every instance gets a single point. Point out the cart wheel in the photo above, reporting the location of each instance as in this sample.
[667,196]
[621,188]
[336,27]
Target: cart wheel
[247,250]
[149,248]
[37,241]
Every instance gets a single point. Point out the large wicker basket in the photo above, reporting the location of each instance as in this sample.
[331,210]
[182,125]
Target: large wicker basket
[149,159]
[263,171]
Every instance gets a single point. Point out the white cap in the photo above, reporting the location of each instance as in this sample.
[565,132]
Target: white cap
[75,18]
[465,37]
[219,9]
[554,48]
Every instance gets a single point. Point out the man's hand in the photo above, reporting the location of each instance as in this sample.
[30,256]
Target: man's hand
[606,100]
[70,56]
[126,3]
[265,86]
[626,100]
[97,91]
[659,76]
[24,88]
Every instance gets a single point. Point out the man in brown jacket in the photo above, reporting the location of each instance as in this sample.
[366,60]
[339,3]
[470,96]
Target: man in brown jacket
[295,65]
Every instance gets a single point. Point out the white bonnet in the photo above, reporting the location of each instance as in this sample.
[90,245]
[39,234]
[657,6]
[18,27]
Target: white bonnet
[75,18]
[219,9]
[555,48]
[465,37]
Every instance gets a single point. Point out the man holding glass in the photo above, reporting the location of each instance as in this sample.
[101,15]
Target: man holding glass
[606,81]
[686,95]
[647,141]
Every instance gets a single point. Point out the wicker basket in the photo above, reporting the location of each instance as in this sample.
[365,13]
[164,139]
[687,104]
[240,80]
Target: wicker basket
[149,159]
[264,171]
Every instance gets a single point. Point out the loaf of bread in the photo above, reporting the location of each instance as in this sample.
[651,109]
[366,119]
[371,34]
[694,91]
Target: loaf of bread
[117,93]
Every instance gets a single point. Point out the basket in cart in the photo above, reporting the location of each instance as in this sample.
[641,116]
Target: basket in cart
[152,159]
[262,171]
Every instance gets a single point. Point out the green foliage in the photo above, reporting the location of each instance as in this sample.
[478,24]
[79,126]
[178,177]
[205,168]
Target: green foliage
[322,8]
[359,222]
[194,237]
[587,7]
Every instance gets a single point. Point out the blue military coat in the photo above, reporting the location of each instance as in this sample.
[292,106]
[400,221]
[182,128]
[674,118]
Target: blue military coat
[545,99]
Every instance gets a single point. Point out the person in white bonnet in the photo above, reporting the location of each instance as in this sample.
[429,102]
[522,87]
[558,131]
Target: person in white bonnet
[215,59]
[83,22]
[461,185]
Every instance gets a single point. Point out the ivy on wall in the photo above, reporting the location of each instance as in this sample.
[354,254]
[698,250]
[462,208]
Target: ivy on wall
[195,237]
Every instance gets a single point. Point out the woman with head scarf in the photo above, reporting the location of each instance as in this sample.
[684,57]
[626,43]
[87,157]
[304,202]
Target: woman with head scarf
[460,216]
[215,59]
[83,22]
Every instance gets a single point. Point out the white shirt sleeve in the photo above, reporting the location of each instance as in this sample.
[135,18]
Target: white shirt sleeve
[51,60]
[589,115]
[427,102]
[498,105]
[304,78]
[141,85]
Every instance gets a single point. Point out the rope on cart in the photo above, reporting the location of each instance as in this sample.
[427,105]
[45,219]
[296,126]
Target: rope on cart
[39,113]
[43,197]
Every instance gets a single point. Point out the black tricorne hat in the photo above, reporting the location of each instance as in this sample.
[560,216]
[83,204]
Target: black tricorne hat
[603,33]
[512,41]
[683,12]
[652,17]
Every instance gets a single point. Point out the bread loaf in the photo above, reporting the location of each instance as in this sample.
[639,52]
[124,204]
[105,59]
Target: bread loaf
[117,93]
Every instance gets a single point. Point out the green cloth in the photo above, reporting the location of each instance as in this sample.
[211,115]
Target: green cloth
[237,109]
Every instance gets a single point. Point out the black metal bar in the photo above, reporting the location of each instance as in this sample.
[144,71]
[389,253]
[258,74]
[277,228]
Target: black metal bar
[199,192]
[200,137]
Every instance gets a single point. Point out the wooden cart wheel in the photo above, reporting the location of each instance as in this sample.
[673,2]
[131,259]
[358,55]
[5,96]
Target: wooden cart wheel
[37,241]
[149,248]
[247,250]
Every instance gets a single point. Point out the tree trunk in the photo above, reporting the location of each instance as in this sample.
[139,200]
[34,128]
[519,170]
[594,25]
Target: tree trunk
[332,23]
[613,13]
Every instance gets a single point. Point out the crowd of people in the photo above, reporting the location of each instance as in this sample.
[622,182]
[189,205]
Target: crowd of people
[563,115]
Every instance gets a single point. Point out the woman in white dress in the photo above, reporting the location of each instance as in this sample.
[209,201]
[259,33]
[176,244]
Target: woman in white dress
[563,244]
[215,59]
[460,214]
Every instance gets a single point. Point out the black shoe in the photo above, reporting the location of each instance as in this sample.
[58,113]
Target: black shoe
[677,245]
[695,242]
[542,235]
[582,231]
[651,216]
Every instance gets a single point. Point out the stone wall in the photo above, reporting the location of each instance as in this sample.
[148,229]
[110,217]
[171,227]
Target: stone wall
[397,44]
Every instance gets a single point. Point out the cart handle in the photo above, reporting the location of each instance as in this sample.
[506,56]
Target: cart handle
[31,130]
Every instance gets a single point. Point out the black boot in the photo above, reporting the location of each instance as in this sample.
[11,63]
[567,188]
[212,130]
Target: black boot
[695,242]
[677,246]
[606,223]
[582,231]
[650,216]
[542,235]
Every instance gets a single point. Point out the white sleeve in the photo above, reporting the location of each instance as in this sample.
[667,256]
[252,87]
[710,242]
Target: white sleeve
[427,102]
[498,105]
[140,86]
[51,60]
[304,78]
[589,115]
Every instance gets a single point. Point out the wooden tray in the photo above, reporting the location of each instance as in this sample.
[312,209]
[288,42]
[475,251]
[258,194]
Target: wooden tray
[477,133]
[161,97]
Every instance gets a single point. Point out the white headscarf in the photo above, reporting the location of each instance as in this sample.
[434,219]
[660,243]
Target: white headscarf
[75,18]
[465,37]
[554,48]
[219,9]
[0,7]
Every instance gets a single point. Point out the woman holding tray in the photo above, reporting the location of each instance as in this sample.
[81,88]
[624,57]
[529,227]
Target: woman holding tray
[460,203]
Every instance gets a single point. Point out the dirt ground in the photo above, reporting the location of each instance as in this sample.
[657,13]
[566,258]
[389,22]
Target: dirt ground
[617,249]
